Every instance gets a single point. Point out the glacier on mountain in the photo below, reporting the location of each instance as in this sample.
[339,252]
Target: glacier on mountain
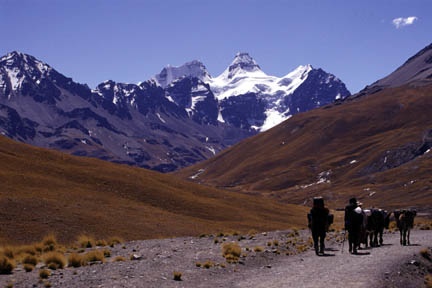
[245,77]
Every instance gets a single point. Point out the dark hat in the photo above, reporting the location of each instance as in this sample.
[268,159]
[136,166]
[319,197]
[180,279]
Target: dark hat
[353,201]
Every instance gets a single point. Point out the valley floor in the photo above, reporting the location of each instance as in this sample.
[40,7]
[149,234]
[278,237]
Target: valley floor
[272,259]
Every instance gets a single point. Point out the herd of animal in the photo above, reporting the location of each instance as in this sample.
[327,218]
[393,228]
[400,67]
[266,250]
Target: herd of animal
[376,220]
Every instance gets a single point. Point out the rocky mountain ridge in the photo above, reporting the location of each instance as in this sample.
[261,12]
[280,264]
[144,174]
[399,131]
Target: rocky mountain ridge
[169,122]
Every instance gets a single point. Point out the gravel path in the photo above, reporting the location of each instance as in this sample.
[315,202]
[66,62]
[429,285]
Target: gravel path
[391,265]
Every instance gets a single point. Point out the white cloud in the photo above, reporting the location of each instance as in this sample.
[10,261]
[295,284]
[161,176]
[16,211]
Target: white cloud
[400,22]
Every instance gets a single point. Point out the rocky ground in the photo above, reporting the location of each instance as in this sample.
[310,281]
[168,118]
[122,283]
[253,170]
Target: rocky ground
[272,259]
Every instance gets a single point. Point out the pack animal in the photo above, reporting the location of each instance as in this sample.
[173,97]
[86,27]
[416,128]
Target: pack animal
[405,222]
[377,221]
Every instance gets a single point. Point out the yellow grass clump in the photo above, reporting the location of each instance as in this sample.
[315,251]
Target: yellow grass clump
[231,252]
[85,241]
[95,256]
[44,273]
[76,260]
[428,281]
[119,259]
[54,260]
[6,265]
[177,276]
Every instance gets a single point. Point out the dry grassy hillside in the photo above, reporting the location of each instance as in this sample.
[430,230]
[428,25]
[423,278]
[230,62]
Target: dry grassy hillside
[372,147]
[44,191]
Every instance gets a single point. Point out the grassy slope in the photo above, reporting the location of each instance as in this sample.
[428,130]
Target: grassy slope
[279,162]
[44,191]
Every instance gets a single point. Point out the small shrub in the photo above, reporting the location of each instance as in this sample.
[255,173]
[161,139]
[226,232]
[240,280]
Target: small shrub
[8,251]
[6,265]
[44,273]
[94,256]
[177,276]
[119,259]
[28,267]
[241,237]
[302,248]
[75,260]
[101,243]
[252,233]
[208,264]
[231,252]
[428,281]
[49,243]
[55,260]
[275,243]
[198,264]
[27,249]
[115,240]
[425,253]
[30,259]
[85,241]
[258,249]
[107,253]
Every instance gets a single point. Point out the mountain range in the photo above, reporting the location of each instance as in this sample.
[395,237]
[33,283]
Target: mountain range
[374,145]
[181,116]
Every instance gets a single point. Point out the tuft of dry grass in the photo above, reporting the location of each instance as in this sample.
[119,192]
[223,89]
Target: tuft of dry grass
[28,267]
[85,241]
[177,276]
[258,249]
[76,260]
[44,273]
[119,259]
[49,243]
[95,256]
[54,260]
[426,254]
[27,249]
[8,251]
[115,240]
[30,259]
[428,281]
[6,265]
[106,253]
[231,252]
[208,264]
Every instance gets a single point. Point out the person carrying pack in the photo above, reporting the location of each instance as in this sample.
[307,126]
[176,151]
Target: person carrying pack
[319,220]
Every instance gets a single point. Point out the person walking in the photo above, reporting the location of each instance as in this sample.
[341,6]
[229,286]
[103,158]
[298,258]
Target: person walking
[318,219]
[353,222]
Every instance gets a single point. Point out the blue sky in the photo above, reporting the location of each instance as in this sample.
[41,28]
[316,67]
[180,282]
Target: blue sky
[130,40]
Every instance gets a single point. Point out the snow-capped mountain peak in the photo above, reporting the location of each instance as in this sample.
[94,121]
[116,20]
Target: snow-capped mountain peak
[193,68]
[244,62]
[18,67]
[295,78]
[23,61]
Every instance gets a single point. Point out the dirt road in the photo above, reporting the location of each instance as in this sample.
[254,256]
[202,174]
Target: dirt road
[391,265]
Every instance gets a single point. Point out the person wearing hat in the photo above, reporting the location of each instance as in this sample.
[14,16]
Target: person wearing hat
[353,222]
[318,223]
